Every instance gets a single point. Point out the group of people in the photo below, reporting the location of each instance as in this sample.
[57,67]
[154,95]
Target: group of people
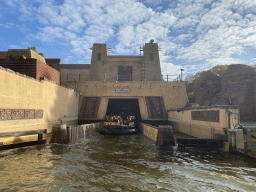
[122,118]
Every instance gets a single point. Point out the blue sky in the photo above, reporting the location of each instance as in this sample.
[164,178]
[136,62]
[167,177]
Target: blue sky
[192,34]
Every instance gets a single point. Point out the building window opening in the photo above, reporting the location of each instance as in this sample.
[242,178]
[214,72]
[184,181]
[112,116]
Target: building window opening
[151,57]
[99,56]
[124,73]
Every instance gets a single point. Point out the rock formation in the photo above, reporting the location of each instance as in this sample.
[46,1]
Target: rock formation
[207,89]
[237,86]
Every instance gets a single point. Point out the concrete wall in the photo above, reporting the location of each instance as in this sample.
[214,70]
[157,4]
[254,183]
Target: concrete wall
[32,68]
[183,122]
[28,53]
[173,93]
[77,72]
[45,71]
[21,92]
[149,131]
[104,67]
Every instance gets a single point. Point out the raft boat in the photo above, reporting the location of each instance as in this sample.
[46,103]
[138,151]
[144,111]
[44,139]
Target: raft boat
[115,125]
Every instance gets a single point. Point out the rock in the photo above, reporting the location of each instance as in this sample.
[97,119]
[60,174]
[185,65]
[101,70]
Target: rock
[237,88]
[208,88]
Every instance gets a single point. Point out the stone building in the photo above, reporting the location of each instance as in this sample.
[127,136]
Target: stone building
[28,62]
[113,83]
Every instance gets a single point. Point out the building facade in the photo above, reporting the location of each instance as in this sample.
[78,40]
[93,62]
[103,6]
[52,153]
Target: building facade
[28,62]
[111,84]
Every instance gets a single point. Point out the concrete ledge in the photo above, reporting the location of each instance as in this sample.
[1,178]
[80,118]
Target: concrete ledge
[206,107]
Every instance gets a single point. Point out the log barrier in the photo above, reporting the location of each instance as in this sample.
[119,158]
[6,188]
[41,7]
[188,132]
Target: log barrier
[62,134]
[162,135]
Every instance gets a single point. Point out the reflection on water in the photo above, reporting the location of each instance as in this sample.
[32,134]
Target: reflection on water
[124,163]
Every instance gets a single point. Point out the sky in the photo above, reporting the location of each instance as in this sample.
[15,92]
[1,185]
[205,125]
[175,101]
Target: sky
[195,35]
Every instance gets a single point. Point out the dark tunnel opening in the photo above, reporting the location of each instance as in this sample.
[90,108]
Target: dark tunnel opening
[128,106]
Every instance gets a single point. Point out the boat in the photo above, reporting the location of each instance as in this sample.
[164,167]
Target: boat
[119,125]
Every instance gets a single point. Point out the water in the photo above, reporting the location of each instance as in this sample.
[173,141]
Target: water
[124,163]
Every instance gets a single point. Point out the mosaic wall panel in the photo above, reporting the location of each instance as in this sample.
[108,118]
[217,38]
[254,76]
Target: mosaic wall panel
[39,114]
[212,116]
[8,114]
[15,114]
[90,107]
[2,114]
[29,114]
[156,108]
[18,114]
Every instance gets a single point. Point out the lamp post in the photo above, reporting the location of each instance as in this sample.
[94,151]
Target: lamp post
[181,73]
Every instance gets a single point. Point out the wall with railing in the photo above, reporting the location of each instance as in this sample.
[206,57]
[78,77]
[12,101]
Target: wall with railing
[126,78]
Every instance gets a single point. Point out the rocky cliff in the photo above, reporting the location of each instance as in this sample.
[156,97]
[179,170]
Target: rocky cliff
[237,86]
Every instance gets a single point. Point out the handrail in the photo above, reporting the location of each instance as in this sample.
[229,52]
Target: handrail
[81,77]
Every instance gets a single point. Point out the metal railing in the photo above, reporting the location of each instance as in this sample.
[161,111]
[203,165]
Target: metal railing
[124,78]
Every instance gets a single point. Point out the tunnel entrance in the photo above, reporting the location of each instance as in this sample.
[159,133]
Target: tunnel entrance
[128,106]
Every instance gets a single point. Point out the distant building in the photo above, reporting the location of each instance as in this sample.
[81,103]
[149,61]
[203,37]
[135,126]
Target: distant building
[28,62]
[112,84]
[110,68]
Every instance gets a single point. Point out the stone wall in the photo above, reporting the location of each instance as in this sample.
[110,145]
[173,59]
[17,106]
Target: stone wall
[31,67]
[28,53]
[45,71]
[104,67]
[204,122]
[74,72]
[173,95]
[19,92]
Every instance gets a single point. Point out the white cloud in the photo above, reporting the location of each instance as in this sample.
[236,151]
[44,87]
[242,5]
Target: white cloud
[51,33]
[197,34]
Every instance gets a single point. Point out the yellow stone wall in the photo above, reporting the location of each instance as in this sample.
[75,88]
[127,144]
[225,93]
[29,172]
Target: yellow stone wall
[149,131]
[28,53]
[19,92]
[173,93]
[202,129]
[106,68]
[67,75]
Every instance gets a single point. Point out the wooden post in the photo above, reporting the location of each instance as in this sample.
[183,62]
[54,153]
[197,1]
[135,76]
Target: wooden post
[232,139]
[40,137]
[165,136]
[249,139]
[69,134]
[59,134]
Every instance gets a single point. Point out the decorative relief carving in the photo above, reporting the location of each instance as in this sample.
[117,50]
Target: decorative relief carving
[212,116]
[2,114]
[18,114]
[39,114]
[156,108]
[29,114]
[15,114]
[8,113]
[90,107]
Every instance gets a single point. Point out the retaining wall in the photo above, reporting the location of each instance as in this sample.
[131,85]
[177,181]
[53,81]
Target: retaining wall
[21,97]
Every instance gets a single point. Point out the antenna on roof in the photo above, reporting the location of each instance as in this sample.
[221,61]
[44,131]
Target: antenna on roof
[141,49]
[109,49]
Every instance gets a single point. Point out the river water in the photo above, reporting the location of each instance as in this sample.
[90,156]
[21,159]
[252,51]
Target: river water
[123,163]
